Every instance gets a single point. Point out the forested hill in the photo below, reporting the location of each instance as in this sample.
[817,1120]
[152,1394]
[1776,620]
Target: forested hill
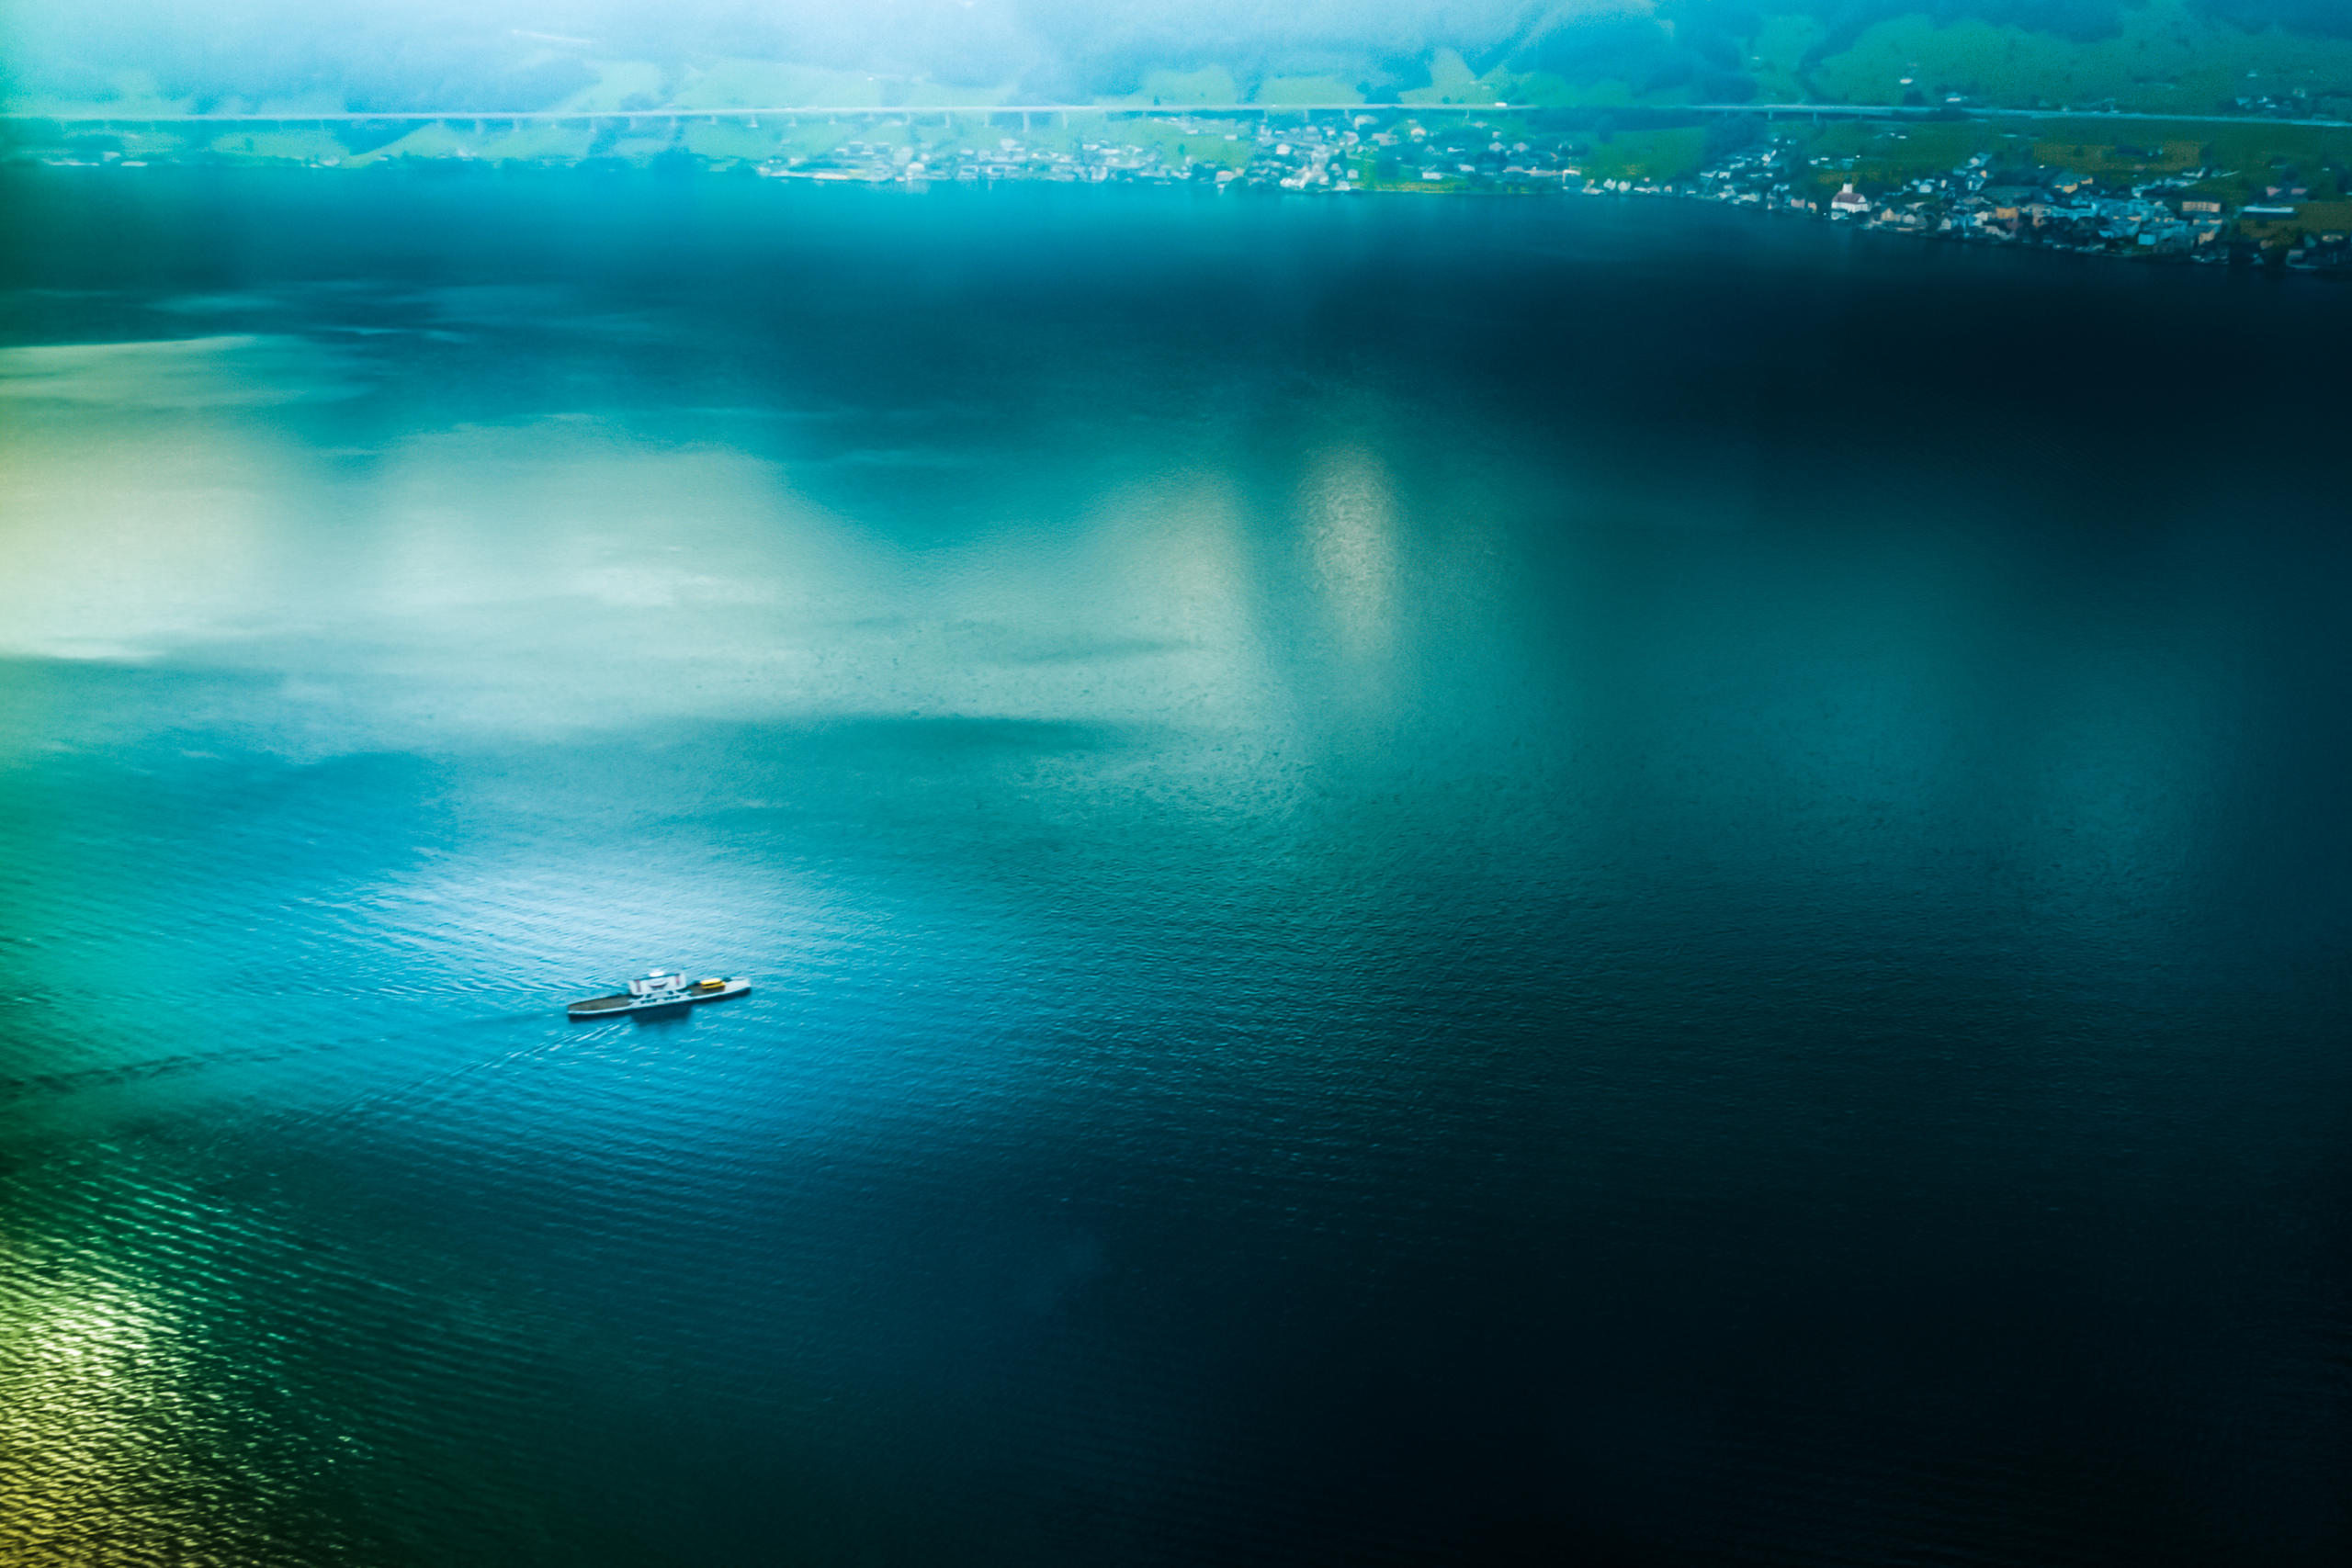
[289,56]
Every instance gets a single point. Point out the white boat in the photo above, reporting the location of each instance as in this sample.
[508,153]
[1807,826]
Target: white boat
[656,992]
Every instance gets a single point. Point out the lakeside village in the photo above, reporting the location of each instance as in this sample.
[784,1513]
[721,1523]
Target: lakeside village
[2172,214]
[2158,201]
[2252,191]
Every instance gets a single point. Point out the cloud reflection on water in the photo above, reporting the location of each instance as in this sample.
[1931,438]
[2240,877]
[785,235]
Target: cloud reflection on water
[566,572]
[235,370]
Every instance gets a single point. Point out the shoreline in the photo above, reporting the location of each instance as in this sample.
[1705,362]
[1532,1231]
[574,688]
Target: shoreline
[2079,227]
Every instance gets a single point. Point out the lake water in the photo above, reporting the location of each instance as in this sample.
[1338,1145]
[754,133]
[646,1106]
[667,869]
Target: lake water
[1430,880]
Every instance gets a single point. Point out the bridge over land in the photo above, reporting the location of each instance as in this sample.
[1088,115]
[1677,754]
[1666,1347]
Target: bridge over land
[952,112]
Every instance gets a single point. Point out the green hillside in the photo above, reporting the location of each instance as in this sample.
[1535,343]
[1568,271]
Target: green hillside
[2270,58]
[2164,59]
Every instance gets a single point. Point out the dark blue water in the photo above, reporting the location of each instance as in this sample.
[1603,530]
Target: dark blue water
[1430,882]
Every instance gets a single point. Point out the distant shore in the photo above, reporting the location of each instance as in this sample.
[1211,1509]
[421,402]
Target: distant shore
[2243,189]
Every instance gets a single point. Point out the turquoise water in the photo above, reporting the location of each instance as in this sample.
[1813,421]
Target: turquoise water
[1429,882]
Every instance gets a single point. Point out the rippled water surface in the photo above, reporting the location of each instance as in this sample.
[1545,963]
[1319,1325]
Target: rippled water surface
[1429,882]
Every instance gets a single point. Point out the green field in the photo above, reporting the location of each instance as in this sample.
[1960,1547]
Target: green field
[621,85]
[1306,90]
[1226,146]
[280,146]
[1209,85]
[436,141]
[764,83]
[2166,57]
[1777,55]
[2122,161]
[1645,155]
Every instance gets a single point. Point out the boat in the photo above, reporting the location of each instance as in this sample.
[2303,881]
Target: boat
[661,992]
